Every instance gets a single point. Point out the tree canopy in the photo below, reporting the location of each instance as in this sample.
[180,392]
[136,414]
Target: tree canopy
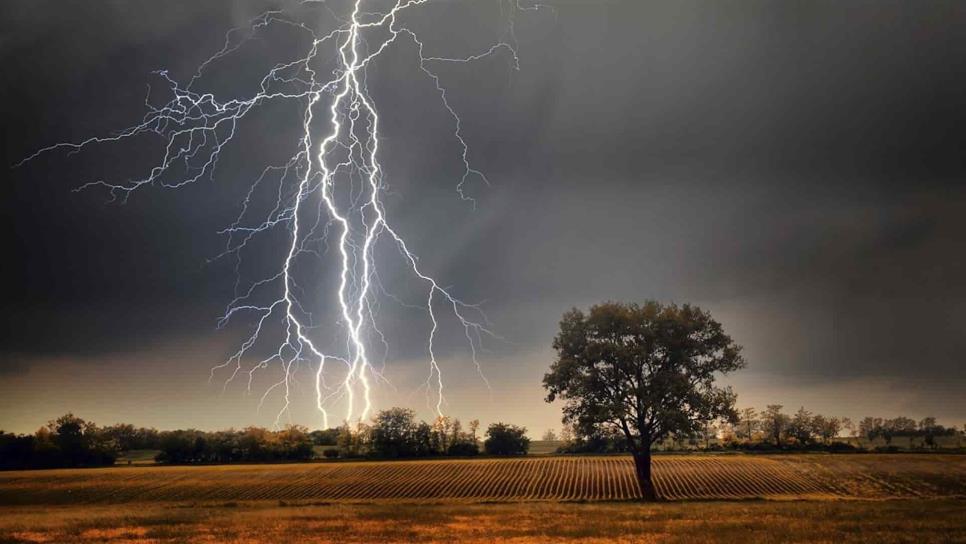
[644,370]
[506,439]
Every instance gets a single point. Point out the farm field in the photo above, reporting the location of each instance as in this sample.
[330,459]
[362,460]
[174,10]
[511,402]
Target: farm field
[544,447]
[138,457]
[550,478]
[841,522]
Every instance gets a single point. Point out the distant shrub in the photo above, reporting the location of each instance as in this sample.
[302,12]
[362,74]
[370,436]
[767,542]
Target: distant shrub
[330,454]
[758,446]
[841,447]
[601,441]
[395,433]
[463,449]
[506,439]
[326,437]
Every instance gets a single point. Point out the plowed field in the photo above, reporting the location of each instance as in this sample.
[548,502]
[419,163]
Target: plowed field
[517,479]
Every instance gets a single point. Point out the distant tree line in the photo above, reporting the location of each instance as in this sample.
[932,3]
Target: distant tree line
[67,441]
[70,441]
[252,444]
[395,433]
[776,428]
[805,429]
[773,429]
[926,428]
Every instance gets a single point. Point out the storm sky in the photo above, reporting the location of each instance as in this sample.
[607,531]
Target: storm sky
[796,168]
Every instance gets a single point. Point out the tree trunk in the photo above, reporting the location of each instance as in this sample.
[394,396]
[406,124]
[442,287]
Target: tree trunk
[642,466]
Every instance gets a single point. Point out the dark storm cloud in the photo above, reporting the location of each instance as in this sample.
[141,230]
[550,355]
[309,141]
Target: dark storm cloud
[796,166]
[13,364]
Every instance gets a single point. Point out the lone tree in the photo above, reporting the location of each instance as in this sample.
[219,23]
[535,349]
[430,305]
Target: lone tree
[645,371]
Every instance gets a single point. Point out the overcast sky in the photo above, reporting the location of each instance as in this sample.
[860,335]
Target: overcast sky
[796,168]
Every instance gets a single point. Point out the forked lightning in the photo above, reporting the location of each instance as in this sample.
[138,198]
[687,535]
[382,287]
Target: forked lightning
[329,193]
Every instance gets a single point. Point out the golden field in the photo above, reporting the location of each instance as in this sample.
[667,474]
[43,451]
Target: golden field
[800,498]
[579,478]
[839,522]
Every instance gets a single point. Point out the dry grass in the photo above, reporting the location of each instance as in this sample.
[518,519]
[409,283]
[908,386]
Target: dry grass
[705,477]
[447,501]
[841,522]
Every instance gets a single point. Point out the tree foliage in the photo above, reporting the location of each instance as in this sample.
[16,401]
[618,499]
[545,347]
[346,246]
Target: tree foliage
[251,444]
[506,439]
[876,427]
[646,371]
[801,426]
[396,433]
[748,424]
[775,423]
[67,441]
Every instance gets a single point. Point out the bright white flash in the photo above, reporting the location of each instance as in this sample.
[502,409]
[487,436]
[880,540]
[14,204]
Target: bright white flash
[329,191]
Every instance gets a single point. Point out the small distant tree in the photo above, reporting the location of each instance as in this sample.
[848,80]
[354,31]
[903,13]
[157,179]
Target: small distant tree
[463,448]
[71,441]
[463,444]
[18,451]
[902,426]
[124,435]
[849,426]
[474,428]
[929,429]
[127,437]
[549,436]
[256,444]
[506,439]
[871,428]
[182,446]
[567,435]
[295,444]
[354,442]
[709,431]
[775,423]
[441,434]
[325,437]
[727,432]
[223,447]
[747,424]
[394,434]
[600,440]
[456,433]
[827,428]
[69,437]
[801,426]
[646,371]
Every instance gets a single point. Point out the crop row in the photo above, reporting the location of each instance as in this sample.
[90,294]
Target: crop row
[517,479]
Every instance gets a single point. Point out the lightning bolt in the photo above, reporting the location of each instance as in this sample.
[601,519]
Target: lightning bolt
[328,193]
